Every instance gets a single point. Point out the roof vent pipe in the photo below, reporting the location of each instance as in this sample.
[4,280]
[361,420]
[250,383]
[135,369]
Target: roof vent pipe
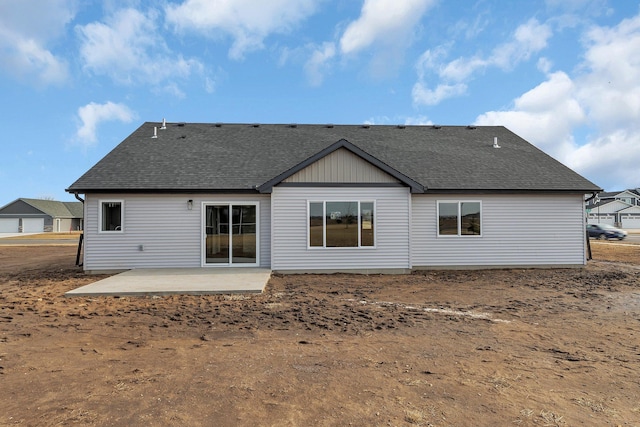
[155,132]
[164,124]
[495,142]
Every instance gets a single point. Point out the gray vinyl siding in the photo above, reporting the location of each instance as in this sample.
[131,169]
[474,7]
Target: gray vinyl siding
[523,230]
[290,251]
[611,207]
[341,166]
[170,233]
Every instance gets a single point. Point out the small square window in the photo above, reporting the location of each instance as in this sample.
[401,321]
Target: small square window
[111,215]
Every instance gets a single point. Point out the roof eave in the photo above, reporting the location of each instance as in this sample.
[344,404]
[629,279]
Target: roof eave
[161,190]
[509,190]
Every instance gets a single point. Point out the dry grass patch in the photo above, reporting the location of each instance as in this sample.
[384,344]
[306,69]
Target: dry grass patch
[503,383]
[552,420]
[49,236]
[607,251]
[598,407]
[415,416]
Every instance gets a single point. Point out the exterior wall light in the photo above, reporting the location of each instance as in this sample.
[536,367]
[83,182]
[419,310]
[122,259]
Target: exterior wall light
[190,204]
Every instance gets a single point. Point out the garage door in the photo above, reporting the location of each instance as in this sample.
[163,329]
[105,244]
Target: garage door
[632,222]
[32,225]
[608,219]
[8,225]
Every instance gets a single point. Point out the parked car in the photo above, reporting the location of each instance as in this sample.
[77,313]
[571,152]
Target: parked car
[605,231]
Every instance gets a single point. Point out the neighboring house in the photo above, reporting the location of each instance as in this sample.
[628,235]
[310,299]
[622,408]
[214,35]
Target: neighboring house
[37,216]
[325,198]
[618,208]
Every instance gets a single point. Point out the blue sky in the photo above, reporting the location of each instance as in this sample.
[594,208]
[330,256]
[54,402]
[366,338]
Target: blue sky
[77,77]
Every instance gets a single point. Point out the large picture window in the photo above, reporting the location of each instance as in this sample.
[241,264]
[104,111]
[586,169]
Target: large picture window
[111,215]
[341,224]
[459,218]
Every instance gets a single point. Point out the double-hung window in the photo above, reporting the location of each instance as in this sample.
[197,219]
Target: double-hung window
[110,215]
[459,218]
[341,224]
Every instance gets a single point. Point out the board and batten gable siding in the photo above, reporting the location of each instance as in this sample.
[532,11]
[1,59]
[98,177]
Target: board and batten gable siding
[171,234]
[341,166]
[517,230]
[290,251]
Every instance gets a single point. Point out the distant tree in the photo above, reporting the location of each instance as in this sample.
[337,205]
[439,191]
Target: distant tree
[46,197]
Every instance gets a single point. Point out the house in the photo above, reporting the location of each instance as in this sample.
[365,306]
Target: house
[37,216]
[618,208]
[327,198]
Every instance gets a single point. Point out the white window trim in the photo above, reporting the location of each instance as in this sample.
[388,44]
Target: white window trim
[100,203]
[459,235]
[324,224]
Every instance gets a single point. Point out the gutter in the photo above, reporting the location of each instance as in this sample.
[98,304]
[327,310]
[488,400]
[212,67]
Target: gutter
[593,196]
[81,235]
[586,221]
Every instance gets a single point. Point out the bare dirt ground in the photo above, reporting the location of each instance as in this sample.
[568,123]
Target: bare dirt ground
[450,348]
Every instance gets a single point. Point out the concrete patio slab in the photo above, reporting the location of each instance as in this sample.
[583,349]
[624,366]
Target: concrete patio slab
[183,281]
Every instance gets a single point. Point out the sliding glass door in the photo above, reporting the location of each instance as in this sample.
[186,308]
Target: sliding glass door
[231,236]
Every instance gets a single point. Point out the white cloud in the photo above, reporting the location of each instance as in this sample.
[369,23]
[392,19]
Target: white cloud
[248,22]
[92,114]
[544,65]
[613,158]
[546,116]
[171,89]
[610,85]
[35,19]
[385,26]
[462,68]
[601,103]
[383,21]
[470,30]
[25,58]
[425,96]
[209,85]
[527,39]
[318,64]
[128,48]
[27,27]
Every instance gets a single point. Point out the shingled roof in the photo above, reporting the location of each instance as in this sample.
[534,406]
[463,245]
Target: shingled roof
[52,208]
[199,157]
